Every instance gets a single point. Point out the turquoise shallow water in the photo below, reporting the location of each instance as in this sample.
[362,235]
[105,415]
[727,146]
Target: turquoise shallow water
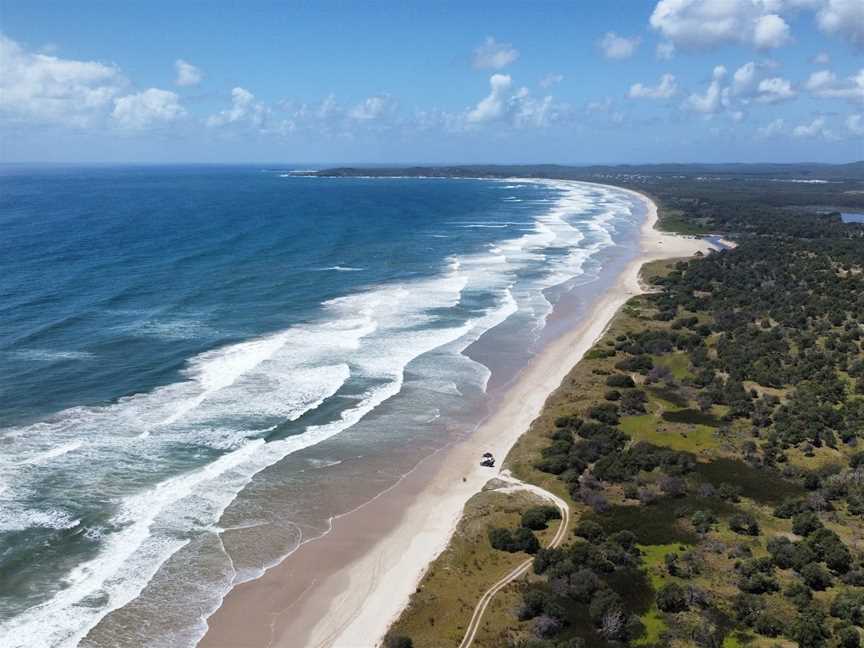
[201,365]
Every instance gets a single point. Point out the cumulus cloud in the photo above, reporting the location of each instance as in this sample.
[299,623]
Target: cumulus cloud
[708,23]
[844,18]
[372,108]
[774,90]
[38,88]
[770,31]
[148,108]
[513,106]
[492,55]
[187,74]
[551,80]
[665,51]
[714,98]
[666,88]
[826,85]
[814,129]
[618,47]
[771,129]
[491,107]
[244,108]
[855,125]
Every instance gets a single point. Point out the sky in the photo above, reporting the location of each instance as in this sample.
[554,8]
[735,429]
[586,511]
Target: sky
[578,81]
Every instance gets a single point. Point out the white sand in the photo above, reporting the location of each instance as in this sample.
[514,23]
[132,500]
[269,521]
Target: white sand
[375,588]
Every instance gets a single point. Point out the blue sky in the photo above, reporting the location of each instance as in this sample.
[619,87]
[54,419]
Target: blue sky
[570,82]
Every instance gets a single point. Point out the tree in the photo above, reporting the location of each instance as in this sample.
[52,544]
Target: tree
[671,598]
[769,625]
[547,626]
[621,381]
[848,637]
[744,524]
[603,601]
[537,516]
[809,630]
[805,523]
[816,576]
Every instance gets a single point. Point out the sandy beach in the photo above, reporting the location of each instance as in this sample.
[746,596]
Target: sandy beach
[346,588]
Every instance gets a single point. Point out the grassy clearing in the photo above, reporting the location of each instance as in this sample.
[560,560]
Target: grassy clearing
[689,438]
[441,607]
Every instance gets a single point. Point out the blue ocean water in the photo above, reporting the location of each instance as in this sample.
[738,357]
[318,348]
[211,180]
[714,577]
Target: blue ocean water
[202,365]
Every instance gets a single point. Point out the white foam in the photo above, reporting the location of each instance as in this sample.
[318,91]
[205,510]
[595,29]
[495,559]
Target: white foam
[13,518]
[234,398]
[339,268]
[49,355]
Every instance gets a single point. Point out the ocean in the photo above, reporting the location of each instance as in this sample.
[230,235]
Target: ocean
[200,366]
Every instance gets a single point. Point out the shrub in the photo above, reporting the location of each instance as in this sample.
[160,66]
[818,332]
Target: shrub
[547,626]
[612,395]
[815,576]
[848,638]
[744,524]
[782,551]
[799,594]
[621,381]
[790,507]
[589,530]
[747,608]
[605,413]
[849,606]
[769,625]
[671,598]
[538,516]
[805,523]
[633,402]
[639,363]
[554,465]
[521,539]
[398,641]
[810,630]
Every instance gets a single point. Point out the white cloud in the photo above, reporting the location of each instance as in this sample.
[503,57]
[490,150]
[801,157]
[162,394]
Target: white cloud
[513,106]
[770,32]
[708,23]
[147,108]
[826,85]
[814,129]
[492,55]
[665,51]
[774,90]
[187,74]
[372,108]
[855,125]
[550,80]
[772,129]
[244,108]
[714,100]
[822,58]
[38,88]
[844,18]
[663,90]
[618,47]
[745,78]
[491,107]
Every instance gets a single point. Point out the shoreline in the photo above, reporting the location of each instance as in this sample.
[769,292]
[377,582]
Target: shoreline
[381,550]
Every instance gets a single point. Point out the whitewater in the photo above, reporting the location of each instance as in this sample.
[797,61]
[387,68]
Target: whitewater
[152,502]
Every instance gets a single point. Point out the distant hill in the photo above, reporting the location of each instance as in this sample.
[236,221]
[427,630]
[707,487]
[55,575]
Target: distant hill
[853,171]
